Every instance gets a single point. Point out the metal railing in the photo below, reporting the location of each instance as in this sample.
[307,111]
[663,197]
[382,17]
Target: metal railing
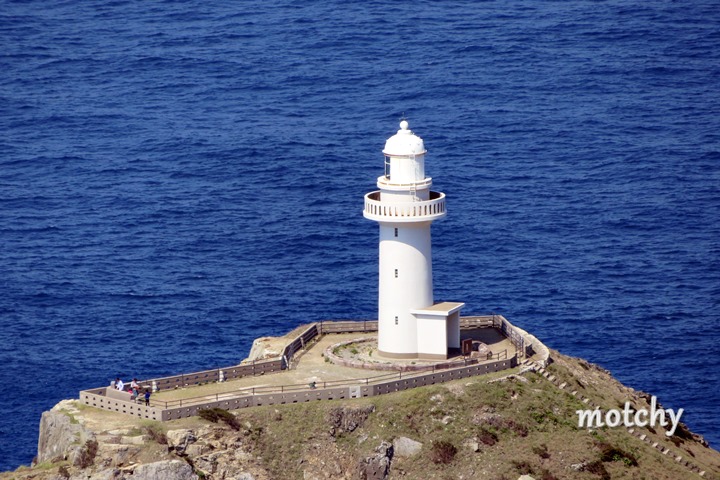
[430,209]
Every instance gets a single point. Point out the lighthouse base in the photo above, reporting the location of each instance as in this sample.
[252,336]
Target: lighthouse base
[419,356]
[437,331]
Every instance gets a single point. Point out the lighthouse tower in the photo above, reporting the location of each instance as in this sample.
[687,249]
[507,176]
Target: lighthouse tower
[410,325]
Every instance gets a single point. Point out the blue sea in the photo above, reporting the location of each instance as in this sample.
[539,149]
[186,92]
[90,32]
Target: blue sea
[178,178]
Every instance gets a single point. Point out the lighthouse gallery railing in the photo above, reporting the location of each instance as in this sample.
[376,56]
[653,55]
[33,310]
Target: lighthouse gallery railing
[434,207]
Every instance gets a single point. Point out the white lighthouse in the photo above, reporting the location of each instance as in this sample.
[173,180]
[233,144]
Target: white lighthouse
[410,325]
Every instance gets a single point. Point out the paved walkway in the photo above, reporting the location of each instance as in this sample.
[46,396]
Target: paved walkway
[311,366]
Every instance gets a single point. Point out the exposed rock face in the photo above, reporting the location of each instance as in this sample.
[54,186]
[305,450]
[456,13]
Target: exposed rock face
[322,440]
[406,447]
[164,470]
[180,439]
[473,444]
[322,459]
[348,419]
[109,474]
[264,348]
[61,436]
[377,467]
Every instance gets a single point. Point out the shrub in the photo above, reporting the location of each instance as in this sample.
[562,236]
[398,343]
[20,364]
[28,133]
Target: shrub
[87,454]
[597,468]
[63,471]
[614,454]
[541,451]
[487,437]
[442,452]
[682,431]
[546,475]
[520,429]
[216,414]
[156,433]
[523,467]
[209,414]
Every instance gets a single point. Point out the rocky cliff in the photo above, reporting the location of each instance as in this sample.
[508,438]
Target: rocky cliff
[502,426]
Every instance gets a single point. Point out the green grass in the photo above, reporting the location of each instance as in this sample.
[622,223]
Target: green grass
[516,426]
[73,420]
[529,423]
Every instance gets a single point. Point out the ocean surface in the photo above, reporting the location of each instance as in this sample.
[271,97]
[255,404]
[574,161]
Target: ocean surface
[178,178]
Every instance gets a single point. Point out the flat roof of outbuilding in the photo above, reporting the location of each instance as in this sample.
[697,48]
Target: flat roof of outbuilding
[446,308]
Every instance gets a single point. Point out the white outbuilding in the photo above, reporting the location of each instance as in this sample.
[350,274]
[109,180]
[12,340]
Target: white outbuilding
[410,325]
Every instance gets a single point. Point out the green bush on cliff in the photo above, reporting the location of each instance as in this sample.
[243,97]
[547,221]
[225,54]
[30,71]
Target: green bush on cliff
[216,414]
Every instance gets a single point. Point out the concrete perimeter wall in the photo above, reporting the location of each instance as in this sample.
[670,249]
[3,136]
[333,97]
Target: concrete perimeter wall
[108,399]
[205,376]
[97,398]
[338,393]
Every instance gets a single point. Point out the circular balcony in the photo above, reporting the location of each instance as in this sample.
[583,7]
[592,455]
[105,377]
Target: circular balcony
[404,212]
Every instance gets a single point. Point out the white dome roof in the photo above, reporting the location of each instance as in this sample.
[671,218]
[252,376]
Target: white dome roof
[404,143]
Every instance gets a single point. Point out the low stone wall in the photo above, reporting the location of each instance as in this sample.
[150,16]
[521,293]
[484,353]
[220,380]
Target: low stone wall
[389,367]
[117,394]
[95,399]
[192,410]
[347,326]
[206,376]
[533,346]
[301,396]
[342,392]
[443,376]
[108,399]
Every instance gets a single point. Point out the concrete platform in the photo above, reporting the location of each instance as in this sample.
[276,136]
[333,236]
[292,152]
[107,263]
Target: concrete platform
[311,366]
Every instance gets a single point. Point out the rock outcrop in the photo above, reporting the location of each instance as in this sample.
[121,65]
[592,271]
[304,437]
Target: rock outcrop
[406,447]
[377,467]
[345,420]
[264,348]
[61,436]
[415,434]
[164,470]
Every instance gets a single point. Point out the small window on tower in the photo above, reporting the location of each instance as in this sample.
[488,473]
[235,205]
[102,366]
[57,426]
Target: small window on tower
[396,320]
[396,232]
[396,273]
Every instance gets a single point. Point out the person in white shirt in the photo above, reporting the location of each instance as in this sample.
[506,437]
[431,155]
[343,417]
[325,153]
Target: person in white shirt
[119,385]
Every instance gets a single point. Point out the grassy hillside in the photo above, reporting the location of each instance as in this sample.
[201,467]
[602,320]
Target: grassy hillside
[497,426]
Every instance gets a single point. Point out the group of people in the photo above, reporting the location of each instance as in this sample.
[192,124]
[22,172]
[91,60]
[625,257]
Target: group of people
[134,389]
